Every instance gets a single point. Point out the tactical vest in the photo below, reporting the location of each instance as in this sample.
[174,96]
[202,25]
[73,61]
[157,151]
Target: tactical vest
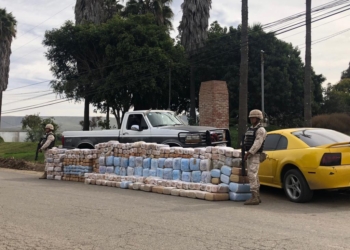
[249,139]
[52,144]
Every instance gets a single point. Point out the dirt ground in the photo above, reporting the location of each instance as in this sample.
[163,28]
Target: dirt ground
[21,164]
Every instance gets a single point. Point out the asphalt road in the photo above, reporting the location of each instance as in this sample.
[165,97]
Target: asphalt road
[44,214]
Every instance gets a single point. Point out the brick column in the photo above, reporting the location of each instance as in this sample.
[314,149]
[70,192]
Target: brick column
[214,104]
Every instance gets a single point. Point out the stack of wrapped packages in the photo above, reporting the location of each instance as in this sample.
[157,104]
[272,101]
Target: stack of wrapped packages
[77,162]
[211,173]
[54,159]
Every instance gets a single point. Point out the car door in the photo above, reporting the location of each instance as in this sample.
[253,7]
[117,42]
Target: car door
[144,133]
[276,157]
[268,167]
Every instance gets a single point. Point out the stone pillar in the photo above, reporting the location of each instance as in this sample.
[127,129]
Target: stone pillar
[214,104]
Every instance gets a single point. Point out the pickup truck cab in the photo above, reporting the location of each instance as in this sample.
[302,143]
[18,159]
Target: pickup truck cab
[157,126]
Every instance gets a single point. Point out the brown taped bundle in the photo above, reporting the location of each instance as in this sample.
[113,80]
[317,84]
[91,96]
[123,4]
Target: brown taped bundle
[216,196]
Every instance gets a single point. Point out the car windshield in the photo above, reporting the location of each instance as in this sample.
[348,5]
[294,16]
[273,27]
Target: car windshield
[318,137]
[159,119]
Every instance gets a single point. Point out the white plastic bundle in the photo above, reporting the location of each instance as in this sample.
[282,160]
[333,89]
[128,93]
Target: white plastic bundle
[179,184]
[212,188]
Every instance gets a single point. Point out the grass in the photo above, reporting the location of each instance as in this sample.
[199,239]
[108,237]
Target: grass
[20,150]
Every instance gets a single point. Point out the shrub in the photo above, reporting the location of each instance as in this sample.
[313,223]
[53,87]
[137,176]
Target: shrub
[1,140]
[337,121]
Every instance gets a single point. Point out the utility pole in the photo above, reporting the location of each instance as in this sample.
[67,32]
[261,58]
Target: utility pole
[169,107]
[307,83]
[262,86]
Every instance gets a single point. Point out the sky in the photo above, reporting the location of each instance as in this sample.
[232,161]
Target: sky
[29,65]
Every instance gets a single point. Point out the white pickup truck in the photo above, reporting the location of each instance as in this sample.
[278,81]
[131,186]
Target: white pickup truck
[157,126]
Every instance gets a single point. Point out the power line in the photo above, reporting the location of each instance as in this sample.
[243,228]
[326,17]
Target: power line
[32,84]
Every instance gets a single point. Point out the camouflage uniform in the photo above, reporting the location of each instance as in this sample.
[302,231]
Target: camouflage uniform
[48,143]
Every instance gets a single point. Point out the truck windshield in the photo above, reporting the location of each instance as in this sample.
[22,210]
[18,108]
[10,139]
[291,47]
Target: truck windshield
[159,119]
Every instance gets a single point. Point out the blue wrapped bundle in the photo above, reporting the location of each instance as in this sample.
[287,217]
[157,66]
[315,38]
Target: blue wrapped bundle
[145,172]
[240,196]
[177,164]
[116,162]
[102,169]
[122,171]
[138,162]
[239,188]
[186,176]
[117,170]
[147,163]
[130,171]
[226,170]
[109,170]
[206,177]
[196,176]
[138,171]
[125,162]
[168,173]
[185,165]
[110,161]
[160,172]
[194,164]
[168,163]
[225,179]
[161,162]
[125,184]
[215,173]
[154,164]
[153,173]
[132,161]
[176,174]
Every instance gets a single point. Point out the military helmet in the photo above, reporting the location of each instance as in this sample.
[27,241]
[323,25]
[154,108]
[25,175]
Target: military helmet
[256,113]
[49,126]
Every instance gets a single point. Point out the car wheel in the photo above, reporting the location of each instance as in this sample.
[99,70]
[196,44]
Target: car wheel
[296,187]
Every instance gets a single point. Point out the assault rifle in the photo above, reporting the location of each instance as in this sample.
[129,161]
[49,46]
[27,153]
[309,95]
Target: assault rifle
[243,154]
[38,147]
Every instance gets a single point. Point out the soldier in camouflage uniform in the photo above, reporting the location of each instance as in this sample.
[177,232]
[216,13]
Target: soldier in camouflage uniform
[254,144]
[47,143]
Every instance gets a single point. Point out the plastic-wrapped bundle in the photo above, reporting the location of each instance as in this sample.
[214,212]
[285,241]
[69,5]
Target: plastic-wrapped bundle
[194,164]
[154,164]
[240,196]
[146,163]
[138,171]
[217,164]
[161,162]
[130,171]
[124,162]
[179,185]
[239,188]
[102,169]
[205,165]
[160,172]
[116,161]
[153,172]
[168,163]
[236,162]
[186,185]
[175,192]
[125,184]
[226,170]
[236,154]
[195,186]
[109,161]
[138,162]
[109,170]
[117,170]
[168,174]
[102,161]
[177,164]
[223,188]
[196,176]
[186,176]
[176,174]
[225,179]
[50,177]
[215,173]
[132,161]
[145,172]
[206,177]
[185,165]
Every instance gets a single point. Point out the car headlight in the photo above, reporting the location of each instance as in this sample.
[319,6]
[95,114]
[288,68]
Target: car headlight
[193,139]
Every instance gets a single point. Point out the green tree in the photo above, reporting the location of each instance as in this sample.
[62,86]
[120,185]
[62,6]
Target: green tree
[34,125]
[7,33]
[346,73]
[337,97]
[93,123]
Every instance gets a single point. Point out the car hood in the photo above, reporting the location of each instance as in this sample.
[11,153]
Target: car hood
[189,128]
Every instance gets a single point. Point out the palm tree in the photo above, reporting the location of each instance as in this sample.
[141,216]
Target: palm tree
[7,33]
[193,31]
[159,8]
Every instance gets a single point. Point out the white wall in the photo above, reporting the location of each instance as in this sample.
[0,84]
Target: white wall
[13,136]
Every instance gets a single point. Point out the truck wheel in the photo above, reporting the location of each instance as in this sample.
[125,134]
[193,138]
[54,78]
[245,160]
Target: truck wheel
[296,187]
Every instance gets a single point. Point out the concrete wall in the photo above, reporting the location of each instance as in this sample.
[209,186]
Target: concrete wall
[13,136]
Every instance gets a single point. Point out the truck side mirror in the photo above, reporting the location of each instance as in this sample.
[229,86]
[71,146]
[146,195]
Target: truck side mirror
[135,128]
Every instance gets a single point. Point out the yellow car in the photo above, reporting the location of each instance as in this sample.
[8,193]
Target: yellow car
[301,160]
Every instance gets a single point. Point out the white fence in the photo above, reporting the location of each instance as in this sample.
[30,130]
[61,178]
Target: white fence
[13,136]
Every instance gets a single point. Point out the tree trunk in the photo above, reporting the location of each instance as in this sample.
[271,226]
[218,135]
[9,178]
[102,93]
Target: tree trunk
[193,119]
[86,126]
[243,89]
[307,84]
[107,118]
[0,107]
